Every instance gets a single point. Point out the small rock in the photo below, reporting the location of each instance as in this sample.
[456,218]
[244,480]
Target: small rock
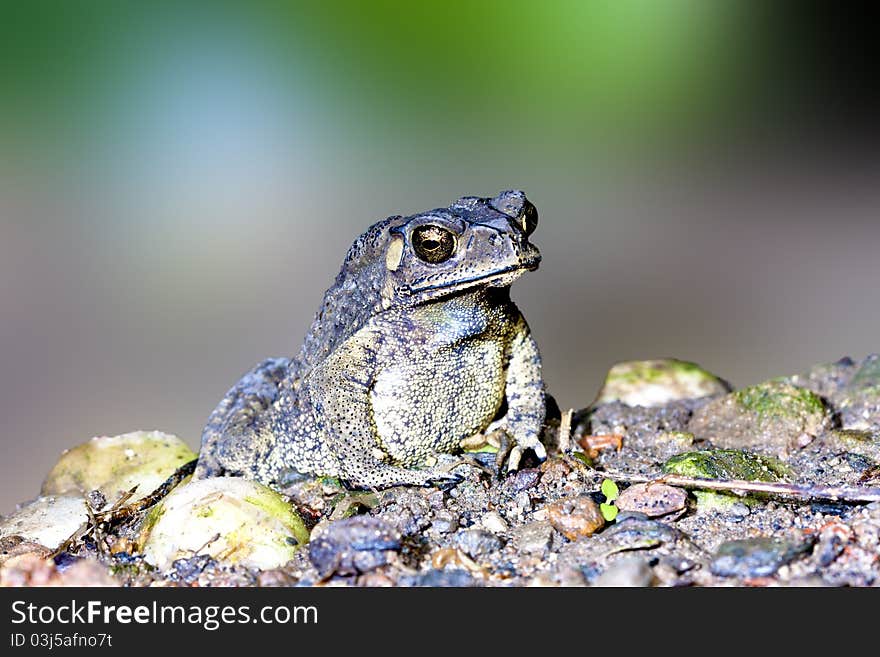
[533,537]
[440,578]
[97,500]
[453,557]
[542,580]
[85,572]
[523,501]
[859,409]
[33,570]
[444,521]
[276,577]
[657,382]
[189,569]
[635,531]
[477,542]
[231,519]
[652,499]
[409,512]
[116,464]
[868,373]
[14,546]
[775,417]
[375,580]
[571,577]
[575,517]
[28,570]
[353,546]
[725,464]
[756,557]
[47,520]
[524,479]
[626,572]
[676,440]
[554,470]
[493,522]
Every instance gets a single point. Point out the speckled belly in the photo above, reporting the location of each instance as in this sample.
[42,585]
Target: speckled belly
[425,405]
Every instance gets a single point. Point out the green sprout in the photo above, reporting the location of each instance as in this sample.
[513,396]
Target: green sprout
[610,491]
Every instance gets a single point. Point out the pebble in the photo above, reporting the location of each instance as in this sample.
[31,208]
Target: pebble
[13,546]
[477,542]
[444,521]
[657,382]
[47,520]
[626,572]
[756,557]
[440,578]
[493,522]
[523,501]
[575,517]
[353,546]
[34,570]
[524,479]
[533,537]
[652,499]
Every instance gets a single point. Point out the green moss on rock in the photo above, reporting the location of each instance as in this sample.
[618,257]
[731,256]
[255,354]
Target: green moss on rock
[233,520]
[775,399]
[726,464]
[868,373]
[774,417]
[116,464]
[657,382]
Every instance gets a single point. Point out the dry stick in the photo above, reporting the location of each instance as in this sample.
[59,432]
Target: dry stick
[564,438]
[848,494]
[121,511]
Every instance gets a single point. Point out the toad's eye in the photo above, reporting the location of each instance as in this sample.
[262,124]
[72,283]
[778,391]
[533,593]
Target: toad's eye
[529,218]
[433,243]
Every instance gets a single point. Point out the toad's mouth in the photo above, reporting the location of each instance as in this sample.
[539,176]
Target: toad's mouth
[498,278]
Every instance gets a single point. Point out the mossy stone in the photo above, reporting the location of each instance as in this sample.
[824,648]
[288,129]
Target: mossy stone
[725,464]
[233,520]
[868,373]
[773,417]
[864,443]
[657,382]
[116,464]
[776,400]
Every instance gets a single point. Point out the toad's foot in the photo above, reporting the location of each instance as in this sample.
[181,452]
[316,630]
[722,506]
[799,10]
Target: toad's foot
[511,451]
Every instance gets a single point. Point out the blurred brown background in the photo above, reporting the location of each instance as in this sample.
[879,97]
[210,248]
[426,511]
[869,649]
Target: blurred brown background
[178,187]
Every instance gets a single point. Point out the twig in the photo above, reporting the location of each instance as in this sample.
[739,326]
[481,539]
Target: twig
[564,438]
[120,511]
[806,492]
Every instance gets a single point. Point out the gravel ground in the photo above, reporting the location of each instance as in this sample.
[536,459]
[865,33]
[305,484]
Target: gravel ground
[543,525]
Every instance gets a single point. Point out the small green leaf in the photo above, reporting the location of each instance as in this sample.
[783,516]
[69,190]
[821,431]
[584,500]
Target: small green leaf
[583,458]
[609,511]
[610,490]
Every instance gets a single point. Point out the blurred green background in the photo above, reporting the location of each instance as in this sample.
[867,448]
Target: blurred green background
[179,183]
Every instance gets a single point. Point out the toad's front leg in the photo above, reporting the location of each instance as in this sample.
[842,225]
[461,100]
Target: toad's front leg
[524,393]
